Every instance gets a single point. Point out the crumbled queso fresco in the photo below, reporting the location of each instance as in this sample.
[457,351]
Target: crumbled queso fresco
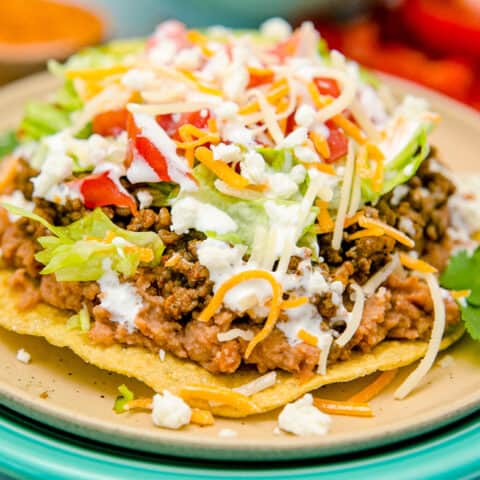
[170,411]
[303,418]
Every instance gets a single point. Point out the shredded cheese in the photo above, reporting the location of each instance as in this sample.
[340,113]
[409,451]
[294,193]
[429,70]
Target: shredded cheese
[223,396]
[435,340]
[202,417]
[355,317]
[293,303]
[364,121]
[344,199]
[367,232]
[221,169]
[324,353]
[269,118]
[307,337]
[371,286]
[416,264]
[235,333]
[96,73]
[166,108]
[374,388]
[349,408]
[272,318]
[321,145]
[457,294]
[325,222]
[257,385]
[349,128]
[388,230]
[322,167]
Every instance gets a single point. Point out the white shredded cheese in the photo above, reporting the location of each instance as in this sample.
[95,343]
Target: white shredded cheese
[435,340]
[370,287]
[235,333]
[344,198]
[161,354]
[145,198]
[354,318]
[257,385]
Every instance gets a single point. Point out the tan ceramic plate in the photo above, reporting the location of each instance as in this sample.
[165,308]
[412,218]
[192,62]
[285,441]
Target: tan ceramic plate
[59,389]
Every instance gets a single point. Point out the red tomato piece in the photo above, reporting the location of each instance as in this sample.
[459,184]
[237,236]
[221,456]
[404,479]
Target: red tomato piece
[171,123]
[111,123]
[337,142]
[100,190]
[286,48]
[327,86]
[153,157]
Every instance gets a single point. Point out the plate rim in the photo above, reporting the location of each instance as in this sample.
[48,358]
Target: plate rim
[194,446]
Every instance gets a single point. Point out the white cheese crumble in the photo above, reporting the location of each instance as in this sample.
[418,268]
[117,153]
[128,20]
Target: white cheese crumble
[227,153]
[145,198]
[161,354]
[406,225]
[305,115]
[227,433]
[276,28]
[170,411]
[136,79]
[398,193]
[190,213]
[296,138]
[17,199]
[446,361]
[23,356]
[303,418]
[121,300]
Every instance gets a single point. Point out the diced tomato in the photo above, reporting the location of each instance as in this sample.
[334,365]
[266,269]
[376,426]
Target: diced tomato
[172,122]
[327,86]
[448,26]
[153,157]
[100,190]
[259,77]
[286,48]
[337,143]
[111,123]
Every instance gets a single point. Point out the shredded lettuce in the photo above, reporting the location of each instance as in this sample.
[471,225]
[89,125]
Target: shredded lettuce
[246,213]
[107,55]
[163,193]
[8,142]
[80,320]
[400,169]
[76,252]
[126,395]
[280,160]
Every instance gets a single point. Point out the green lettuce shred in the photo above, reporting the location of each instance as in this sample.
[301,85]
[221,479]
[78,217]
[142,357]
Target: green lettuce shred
[400,169]
[80,321]
[8,142]
[126,395]
[76,252]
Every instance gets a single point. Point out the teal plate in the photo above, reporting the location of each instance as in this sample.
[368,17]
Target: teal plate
[30,451]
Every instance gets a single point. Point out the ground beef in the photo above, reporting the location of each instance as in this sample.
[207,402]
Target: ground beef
[179,288]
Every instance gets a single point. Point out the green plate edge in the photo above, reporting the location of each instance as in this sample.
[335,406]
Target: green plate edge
[31,451]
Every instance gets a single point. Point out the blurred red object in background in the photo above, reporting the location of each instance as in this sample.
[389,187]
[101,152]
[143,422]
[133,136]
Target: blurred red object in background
[432,42]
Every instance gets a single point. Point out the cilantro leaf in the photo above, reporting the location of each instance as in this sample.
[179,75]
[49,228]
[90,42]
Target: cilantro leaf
[471,317]
[463,273]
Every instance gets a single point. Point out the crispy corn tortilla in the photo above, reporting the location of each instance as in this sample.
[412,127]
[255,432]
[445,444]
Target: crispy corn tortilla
[50,323]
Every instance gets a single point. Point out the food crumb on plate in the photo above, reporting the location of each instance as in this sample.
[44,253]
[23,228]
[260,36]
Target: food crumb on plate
[23,356]
[446,361]
[161,354]
[277,431]
[227,433]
